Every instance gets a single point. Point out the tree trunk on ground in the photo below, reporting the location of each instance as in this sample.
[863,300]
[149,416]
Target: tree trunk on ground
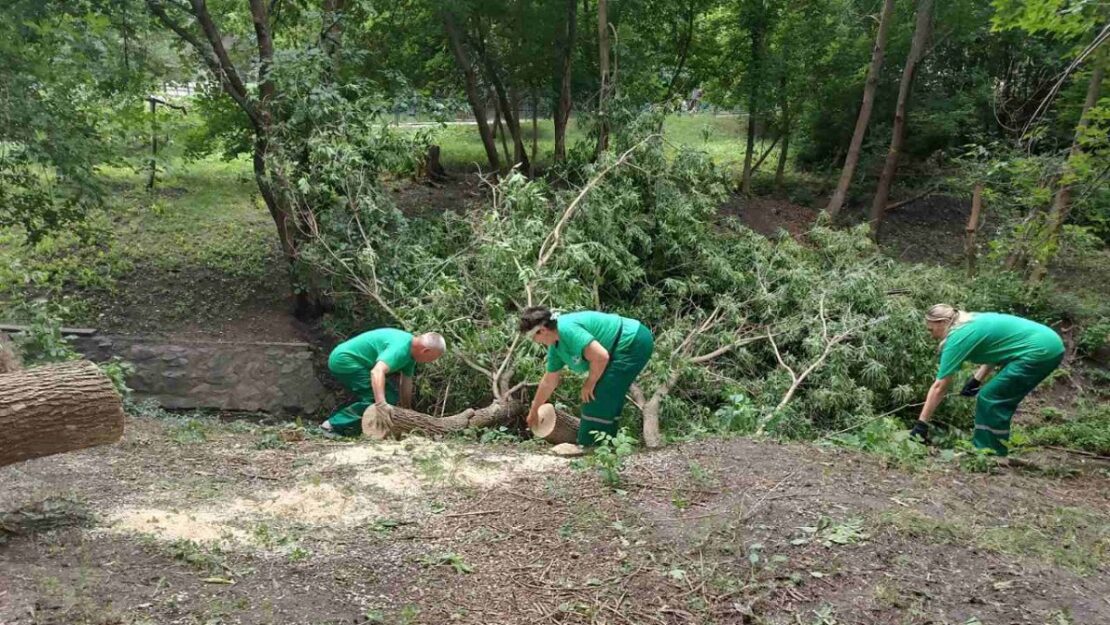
[55,409]
[1061,204]
[921,32]
[561,114]
[497,414]
[837,201]
[477,104]
[603,66]
[973,229]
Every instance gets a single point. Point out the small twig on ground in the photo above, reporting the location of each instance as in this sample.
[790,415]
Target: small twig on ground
[1079,452]
[478,513]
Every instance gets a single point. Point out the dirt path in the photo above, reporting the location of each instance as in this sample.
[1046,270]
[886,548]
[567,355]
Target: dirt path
[196,522]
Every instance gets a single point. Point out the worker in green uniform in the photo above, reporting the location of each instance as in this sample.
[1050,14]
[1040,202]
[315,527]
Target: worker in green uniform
[611,350]
[1024,352]
[378,367]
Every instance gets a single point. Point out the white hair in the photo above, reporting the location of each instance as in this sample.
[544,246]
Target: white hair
[433,341]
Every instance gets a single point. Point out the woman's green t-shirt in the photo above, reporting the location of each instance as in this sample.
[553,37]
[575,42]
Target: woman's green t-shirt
[577,330]
[997,339]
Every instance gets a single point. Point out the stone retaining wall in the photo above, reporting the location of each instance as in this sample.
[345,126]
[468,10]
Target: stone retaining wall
[270,377]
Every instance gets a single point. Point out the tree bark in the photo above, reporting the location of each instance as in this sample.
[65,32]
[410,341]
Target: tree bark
[57,408]
[562,109]
[1061,204]
[505,104]
[477,104]
[869,87]
[973,229]
[921,33]
[603,66]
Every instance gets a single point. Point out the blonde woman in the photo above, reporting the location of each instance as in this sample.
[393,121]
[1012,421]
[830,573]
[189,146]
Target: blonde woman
[1024,352]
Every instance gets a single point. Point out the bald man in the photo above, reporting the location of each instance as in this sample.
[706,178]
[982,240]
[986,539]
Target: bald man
[378,367]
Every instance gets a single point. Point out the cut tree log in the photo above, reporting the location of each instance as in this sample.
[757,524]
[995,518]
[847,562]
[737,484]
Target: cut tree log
[57,408]
[404,421]
[556,426]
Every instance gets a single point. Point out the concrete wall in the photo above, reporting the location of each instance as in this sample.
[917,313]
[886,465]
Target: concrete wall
[271,377]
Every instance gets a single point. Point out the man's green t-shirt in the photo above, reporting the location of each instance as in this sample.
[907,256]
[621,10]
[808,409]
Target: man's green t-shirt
[996,339]
[388,345]
[576,330]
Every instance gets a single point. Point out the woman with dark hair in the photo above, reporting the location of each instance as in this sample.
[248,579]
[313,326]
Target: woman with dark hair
[1026,352]
[611,350]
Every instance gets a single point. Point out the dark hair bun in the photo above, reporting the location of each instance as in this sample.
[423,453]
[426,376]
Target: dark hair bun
[535,316]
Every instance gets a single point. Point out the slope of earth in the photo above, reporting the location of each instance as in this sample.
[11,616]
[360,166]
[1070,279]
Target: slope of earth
[192,521]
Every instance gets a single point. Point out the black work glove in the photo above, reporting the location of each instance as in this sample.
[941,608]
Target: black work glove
[971,389]
[920,431]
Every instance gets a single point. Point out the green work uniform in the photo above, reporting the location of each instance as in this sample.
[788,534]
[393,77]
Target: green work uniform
[1024,351]
[351,362]
[629,344]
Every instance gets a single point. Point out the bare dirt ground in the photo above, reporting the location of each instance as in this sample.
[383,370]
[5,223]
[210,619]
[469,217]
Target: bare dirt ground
[197,522]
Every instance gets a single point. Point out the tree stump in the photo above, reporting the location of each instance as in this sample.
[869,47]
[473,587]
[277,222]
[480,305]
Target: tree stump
[57,408]
[9,357]
[433,169]
[556,426]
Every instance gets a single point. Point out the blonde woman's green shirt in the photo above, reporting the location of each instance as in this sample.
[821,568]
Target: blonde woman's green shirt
[997,339]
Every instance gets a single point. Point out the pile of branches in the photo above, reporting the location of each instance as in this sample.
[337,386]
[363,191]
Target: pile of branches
[816,334]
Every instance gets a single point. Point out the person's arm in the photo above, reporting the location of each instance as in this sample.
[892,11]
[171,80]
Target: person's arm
[548,384]
[598,358]
[377,381]
[406,391]
[982,372]
[936,395]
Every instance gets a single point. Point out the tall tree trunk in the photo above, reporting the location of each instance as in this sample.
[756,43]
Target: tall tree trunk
[753,97]
[76,397]
[561,114]
[780,170]
[1061,204]
[520,153]
[971,249]
[535,134]
[921,33]
[507,109]
[849,170]
[499,128]
[683,51]
[477,104]
[603,67]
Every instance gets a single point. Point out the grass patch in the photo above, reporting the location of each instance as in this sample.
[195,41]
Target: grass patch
[1072,538]
[1088,431]
[150,254]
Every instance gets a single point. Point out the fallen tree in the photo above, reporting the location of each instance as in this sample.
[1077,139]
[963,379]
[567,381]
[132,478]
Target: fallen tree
[57,408]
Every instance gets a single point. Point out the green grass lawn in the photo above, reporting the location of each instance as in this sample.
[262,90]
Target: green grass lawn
[202,232]
[721,136]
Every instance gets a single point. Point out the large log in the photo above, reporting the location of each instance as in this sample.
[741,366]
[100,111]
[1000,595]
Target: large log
[57,408]
[403,421]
